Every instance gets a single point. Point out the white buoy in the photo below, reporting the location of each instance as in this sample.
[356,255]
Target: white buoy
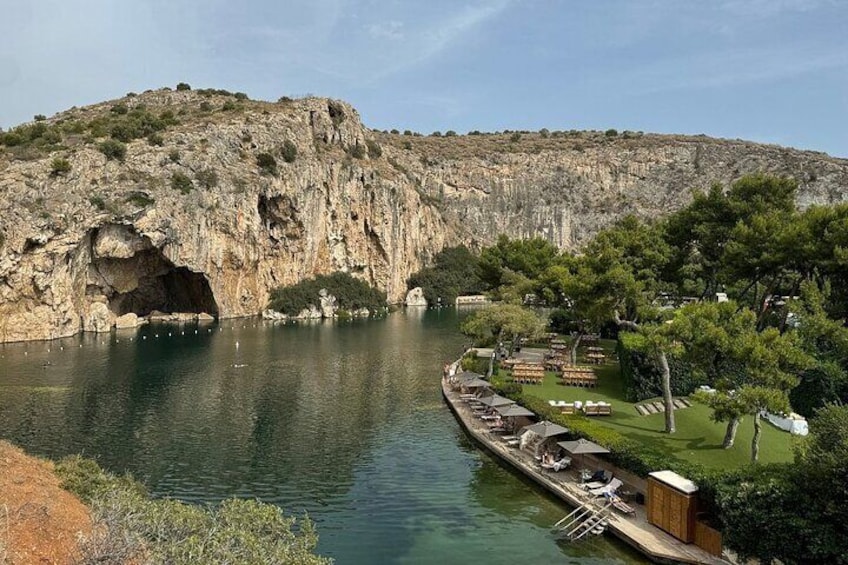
[144,337]
[182,333]
[195,331]
[157,335]
[237,345]
[62,347]
[48,350]
[169,334]
[26,353]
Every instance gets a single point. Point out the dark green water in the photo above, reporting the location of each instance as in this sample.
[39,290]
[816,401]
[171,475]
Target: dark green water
[345,422]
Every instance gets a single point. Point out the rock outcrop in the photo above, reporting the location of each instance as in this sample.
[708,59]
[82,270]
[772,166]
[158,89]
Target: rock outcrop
[200,220]
[415,297]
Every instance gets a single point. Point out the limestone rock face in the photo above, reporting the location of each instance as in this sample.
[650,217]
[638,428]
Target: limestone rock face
[311,313]
[99,318]
[327,303]
[129,320]
[110,238]
[415,297]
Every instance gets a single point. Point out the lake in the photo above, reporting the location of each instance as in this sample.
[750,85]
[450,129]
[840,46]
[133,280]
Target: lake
[343,421]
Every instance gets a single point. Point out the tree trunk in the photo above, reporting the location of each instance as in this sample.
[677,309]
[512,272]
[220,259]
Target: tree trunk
[495,351]
[755,442]
[668,401]
[730,434]
[574,348]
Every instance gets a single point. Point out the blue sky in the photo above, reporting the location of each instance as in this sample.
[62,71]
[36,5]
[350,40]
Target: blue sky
[767,70]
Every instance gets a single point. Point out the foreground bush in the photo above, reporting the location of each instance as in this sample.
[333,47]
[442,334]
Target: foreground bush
[132,528]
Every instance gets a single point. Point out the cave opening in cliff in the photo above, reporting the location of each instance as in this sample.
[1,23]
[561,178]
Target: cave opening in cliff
[176,289]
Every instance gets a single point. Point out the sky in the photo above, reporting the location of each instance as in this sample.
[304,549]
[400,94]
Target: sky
[774,71]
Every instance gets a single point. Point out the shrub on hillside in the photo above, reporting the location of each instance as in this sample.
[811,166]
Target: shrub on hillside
[207,178]
[59,166]
[288,151]
[374,149]
[113,149]
[179,181]
[183,86]
[267,164]
[356,151]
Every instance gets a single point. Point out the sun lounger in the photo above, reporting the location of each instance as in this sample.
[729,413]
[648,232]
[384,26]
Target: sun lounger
[609,488]
[620,505]
[562,464]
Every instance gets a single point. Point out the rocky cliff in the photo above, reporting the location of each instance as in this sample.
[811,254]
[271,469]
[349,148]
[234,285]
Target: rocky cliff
[228,198]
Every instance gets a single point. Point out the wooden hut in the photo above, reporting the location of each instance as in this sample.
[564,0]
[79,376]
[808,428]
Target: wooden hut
[672,504]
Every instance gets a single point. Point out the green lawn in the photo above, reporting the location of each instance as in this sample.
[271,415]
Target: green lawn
[698,439]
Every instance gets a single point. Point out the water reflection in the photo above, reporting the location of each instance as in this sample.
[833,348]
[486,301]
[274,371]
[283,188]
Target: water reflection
[343,421]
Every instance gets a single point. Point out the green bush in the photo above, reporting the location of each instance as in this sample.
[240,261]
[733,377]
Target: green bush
[183,86]
[288,151]
[611,132]
[205,106]
[450,133]
[436,133]
[181,182]
[351,294]
[207,178]
[174,155]
[39,117]
[267,164]
[59,166]
[407,145]
[98,202]
[357,151]
[130,527]
[229,106]
[515,137]
[240,96]
[113,149]
[119,109]
[374,149]
[155,139]
[140,199]
[470,362]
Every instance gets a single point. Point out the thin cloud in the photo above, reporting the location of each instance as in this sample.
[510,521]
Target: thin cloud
[392,30]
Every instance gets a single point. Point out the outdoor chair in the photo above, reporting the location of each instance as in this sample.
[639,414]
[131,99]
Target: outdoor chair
[609,488]
[620,505]
[558,465]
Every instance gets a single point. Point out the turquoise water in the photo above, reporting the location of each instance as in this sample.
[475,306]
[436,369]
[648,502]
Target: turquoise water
[342,421]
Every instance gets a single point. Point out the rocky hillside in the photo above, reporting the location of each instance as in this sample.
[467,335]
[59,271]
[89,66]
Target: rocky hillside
[203,201]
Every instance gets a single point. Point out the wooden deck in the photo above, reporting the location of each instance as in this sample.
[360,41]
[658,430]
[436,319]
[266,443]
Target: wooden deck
[634,530]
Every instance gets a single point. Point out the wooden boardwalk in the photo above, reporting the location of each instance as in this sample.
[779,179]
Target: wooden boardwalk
[634,529]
